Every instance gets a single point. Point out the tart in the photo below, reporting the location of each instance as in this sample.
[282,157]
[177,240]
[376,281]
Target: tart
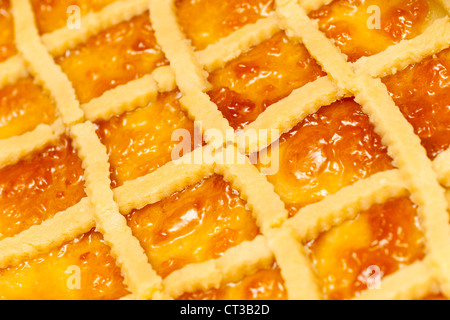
[242,149]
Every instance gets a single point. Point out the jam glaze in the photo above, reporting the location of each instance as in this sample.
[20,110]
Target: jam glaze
[115,56]
[23,106]
[269,72]
[38,187]
[422,92]
[53,275]
[139,142]
[194,225]
[387,236]
[7,46]
[348,23]
[265,284]
[53,14]
[439,296]
[194,16]
[327,151]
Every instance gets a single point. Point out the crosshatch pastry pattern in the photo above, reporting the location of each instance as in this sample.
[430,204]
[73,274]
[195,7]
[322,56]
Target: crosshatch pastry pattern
[88,182]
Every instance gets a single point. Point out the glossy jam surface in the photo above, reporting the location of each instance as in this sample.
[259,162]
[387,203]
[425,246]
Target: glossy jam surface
[194,225]
[79,270]
[23,106]
[422,92]
[7,46]
[55,14]
[246,86]
[435,297]
[140,142]
[115,56]
[207,21]
[351,23]
[265,284]
[327,151]
[383,239]
[38,187]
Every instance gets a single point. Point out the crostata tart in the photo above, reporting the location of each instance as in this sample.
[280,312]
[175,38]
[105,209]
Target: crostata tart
[239,149]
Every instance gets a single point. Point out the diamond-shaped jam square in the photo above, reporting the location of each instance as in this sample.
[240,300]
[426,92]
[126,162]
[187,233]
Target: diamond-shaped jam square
[265,284]
[39,186]
[23,106]
[55,14]
[269,72]
[356,255]
[7,46]
[366,27]
[194,225]
[207,21]
[327,151]
[113,57]
[141,141]
[82,269]
[422,92]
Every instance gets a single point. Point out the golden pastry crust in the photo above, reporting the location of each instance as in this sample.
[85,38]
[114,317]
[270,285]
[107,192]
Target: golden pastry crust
[345,204]
[442,167]
[190,76]
[142,280]
[41,63]
[286,113]
[124,98]
[282,237]
[412,282]
[298,26]
[170,178]
[435,39]
[216,55]
[295,267]
[63,227]
[237,262]
[267,207]
[92,23]
[15,148]
[11,70]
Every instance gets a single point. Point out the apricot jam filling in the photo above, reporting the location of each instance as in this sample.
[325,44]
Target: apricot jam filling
[115,56]
[327,151]
[194,225]
[23,106]
[422,92]
[81,269]
[38,187]
[439,296]
[265,284]
[55,14]
[195,17]
[351,23]
[352,257]
[7,46]
[139,142]
[246,86]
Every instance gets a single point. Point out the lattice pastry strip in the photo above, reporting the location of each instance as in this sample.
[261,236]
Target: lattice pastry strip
[15,148]
[42,64]
[141,279]
[11,70]
[411,282]
[442,167]
[162,80]
[63,227]
[92,23]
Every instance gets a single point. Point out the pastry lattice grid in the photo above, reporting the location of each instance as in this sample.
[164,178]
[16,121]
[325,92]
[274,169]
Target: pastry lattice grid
[281,237]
